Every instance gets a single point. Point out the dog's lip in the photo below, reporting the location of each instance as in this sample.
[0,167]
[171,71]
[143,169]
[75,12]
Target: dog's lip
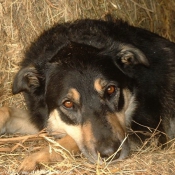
[93,157]
[124,151]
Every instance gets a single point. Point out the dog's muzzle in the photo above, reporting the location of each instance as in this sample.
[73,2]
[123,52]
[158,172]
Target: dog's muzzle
[109,153]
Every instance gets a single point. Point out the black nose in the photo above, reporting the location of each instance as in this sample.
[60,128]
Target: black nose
[107,148]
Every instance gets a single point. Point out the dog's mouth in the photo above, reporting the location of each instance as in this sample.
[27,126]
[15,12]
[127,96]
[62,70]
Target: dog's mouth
[109,154]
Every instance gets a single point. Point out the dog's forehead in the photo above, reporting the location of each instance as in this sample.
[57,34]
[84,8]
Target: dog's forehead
[75,82]
[81,78]
[86,83]
[97,85]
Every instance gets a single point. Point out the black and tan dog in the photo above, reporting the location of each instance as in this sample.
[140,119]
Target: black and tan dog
[93,81]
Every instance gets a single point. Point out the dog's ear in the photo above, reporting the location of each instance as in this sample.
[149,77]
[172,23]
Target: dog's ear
[128,57]
[27,79]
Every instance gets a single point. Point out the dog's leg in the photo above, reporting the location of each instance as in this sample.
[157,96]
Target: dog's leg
[4,117]
[13,120]
[30,163]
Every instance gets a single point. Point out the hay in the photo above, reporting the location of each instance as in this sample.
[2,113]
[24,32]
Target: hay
[21,21]
[152,161]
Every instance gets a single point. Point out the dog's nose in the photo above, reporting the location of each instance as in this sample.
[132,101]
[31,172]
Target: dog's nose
[107,150]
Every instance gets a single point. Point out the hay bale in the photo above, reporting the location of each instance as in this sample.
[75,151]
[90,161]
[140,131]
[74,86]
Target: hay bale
[21,21]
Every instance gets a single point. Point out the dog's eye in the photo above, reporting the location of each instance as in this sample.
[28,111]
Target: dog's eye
[110,89]
[68,104]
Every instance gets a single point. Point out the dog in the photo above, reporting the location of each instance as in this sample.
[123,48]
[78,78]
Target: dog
[93,82]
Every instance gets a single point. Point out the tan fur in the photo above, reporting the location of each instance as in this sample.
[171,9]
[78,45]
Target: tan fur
[121,117]
[129,106]
[127,96]
[118,121]
[99,85]
[13,120]
[74,94]
[4,117]
[30,163]
[88,136]
[117,128]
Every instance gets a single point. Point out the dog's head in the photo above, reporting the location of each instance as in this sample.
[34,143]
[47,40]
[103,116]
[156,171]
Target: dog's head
[89,98]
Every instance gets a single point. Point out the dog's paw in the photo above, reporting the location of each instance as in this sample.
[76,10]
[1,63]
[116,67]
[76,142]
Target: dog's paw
[32,162]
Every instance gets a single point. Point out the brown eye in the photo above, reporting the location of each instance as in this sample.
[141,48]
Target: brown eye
[110,89]
[68,104]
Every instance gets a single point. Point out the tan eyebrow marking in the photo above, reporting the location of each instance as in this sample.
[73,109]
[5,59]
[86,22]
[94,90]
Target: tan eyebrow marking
[74,94]
[99,84]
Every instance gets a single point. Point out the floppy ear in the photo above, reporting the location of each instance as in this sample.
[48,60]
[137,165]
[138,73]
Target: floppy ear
[27,79]
[128,57]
